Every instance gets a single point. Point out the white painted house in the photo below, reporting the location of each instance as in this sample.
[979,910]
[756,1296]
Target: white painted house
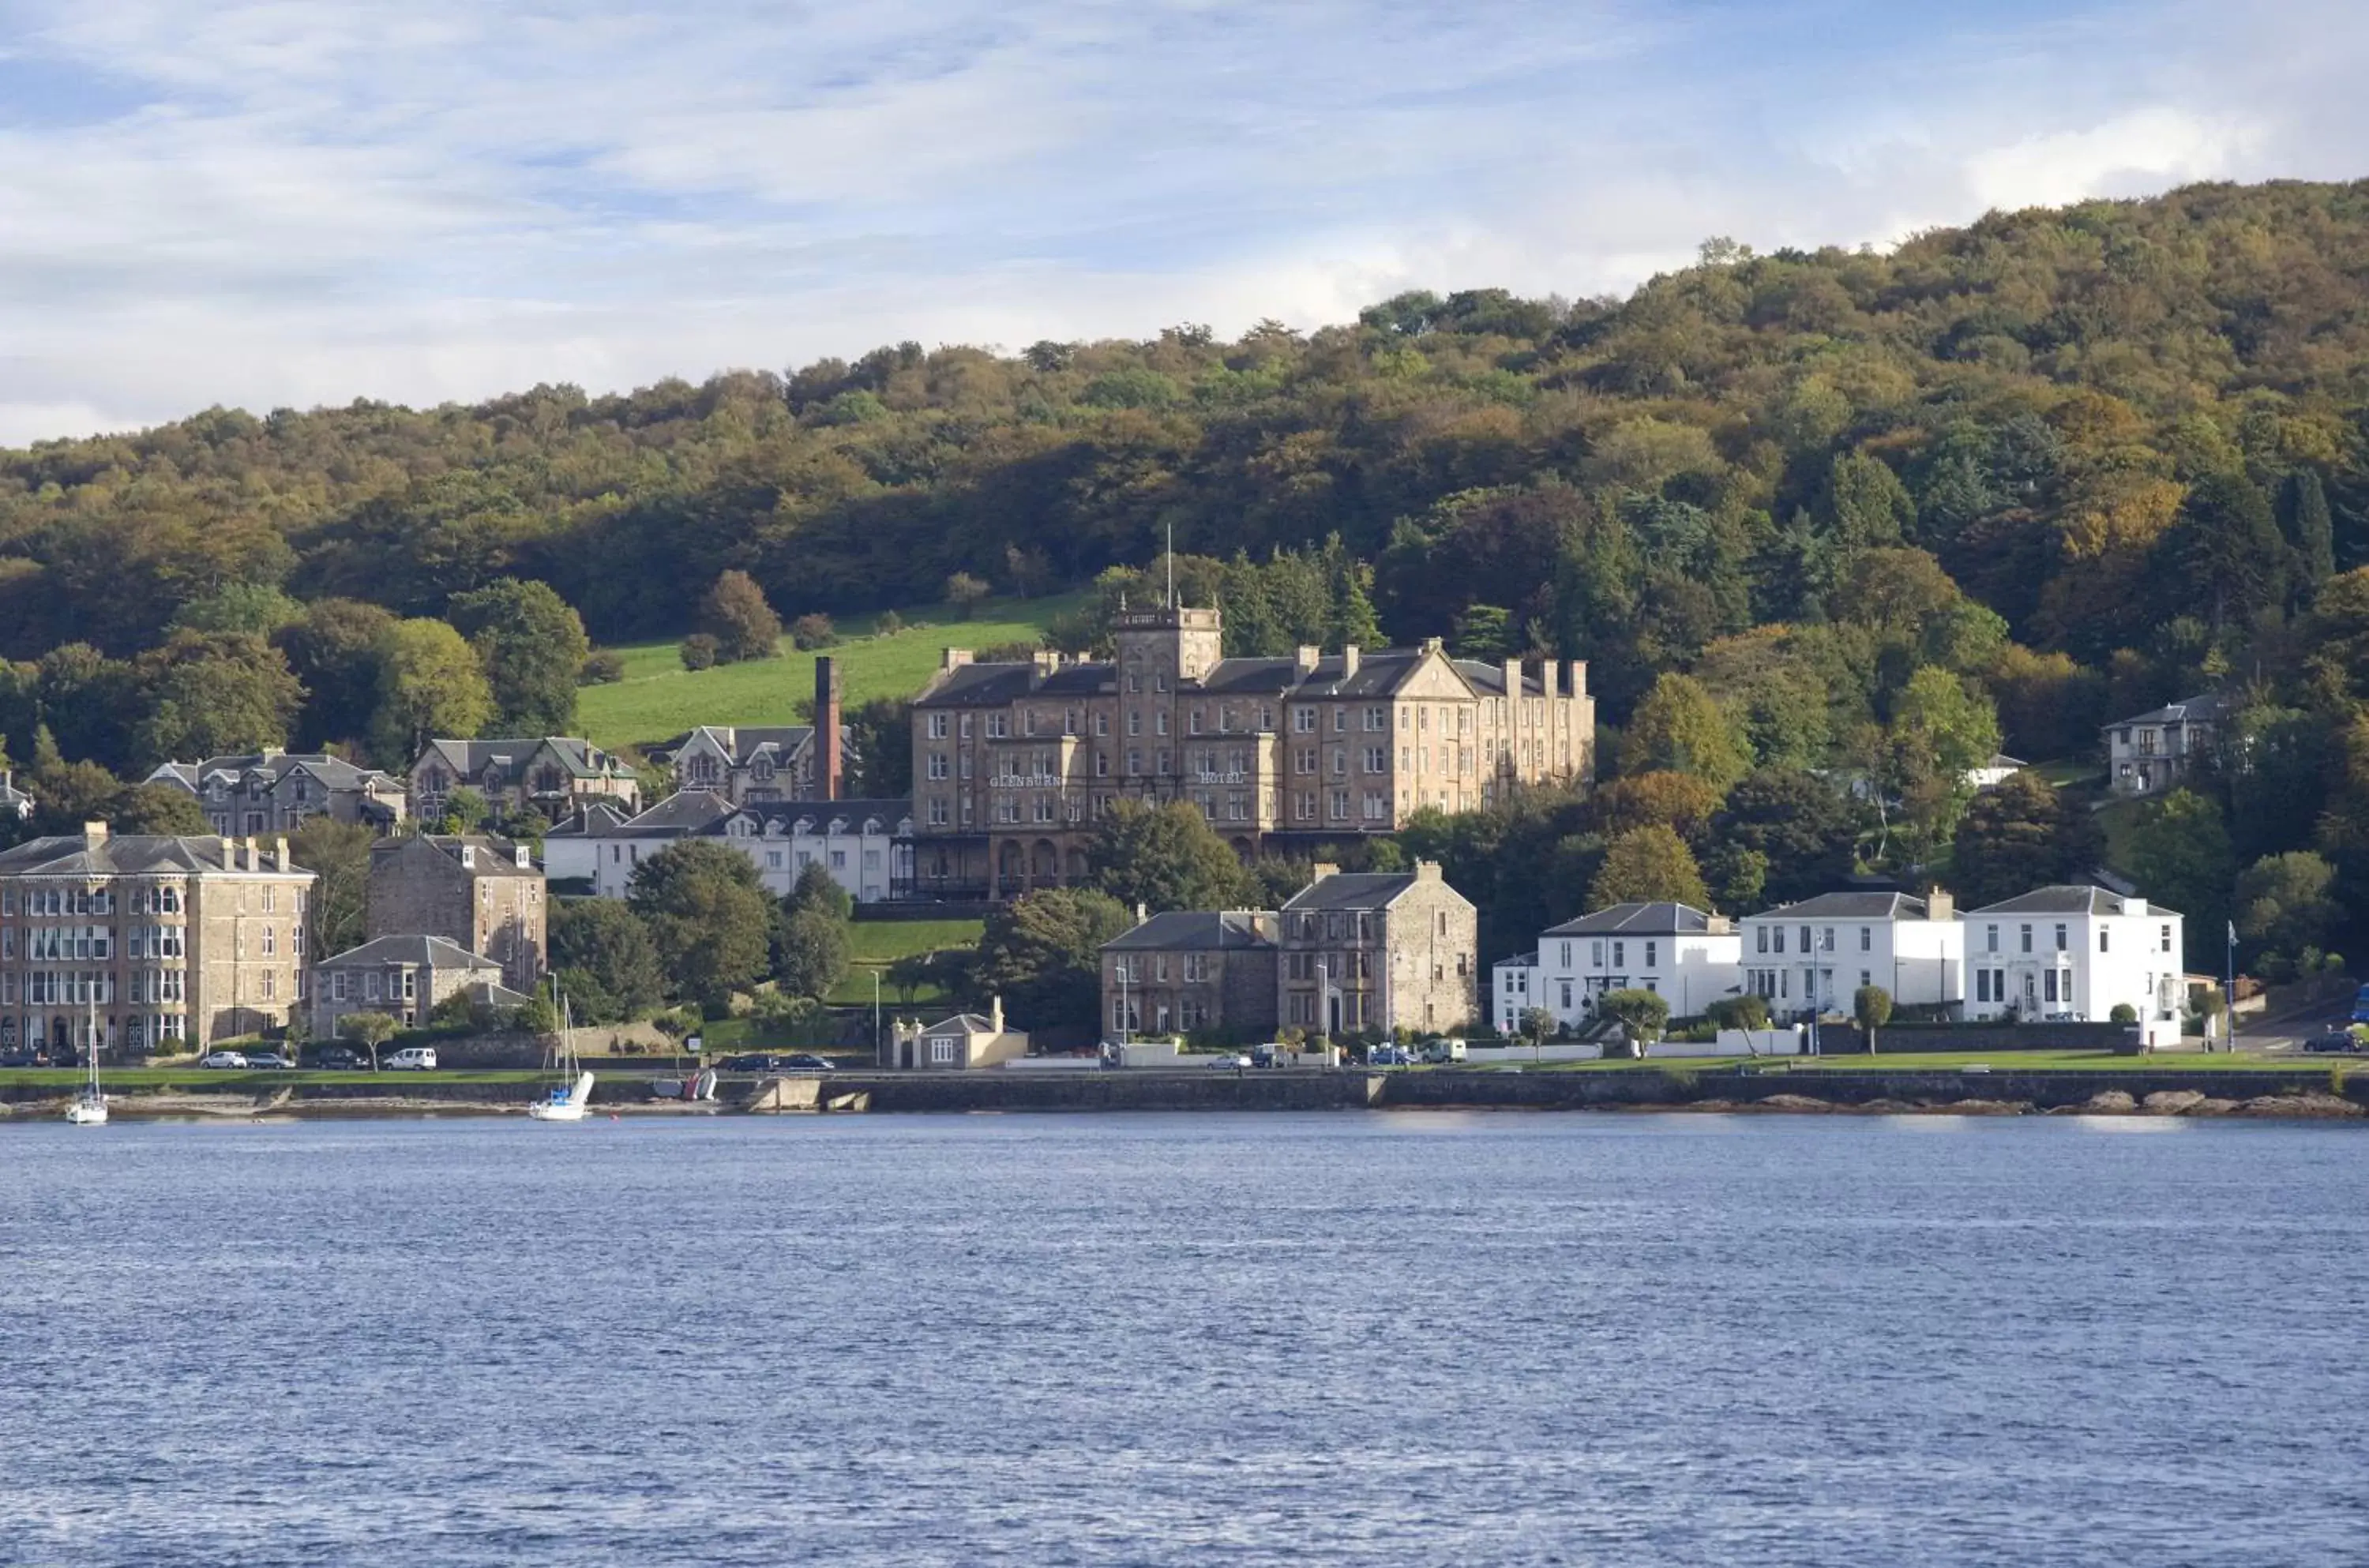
[866,845]
[1814,955]
[2074,952]
[1687,957]
[1513,984]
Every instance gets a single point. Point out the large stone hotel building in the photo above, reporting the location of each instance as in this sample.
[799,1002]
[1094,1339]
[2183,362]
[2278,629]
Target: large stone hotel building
[167,942]
[1014,763]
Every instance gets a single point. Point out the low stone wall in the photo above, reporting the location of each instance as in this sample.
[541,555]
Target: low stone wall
[1849,1040]
[1205,1089]
[2040,1090]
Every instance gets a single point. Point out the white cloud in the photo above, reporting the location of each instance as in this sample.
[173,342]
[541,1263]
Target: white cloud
[271,203]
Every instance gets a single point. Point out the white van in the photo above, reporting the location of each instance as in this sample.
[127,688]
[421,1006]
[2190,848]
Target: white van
[413,1058]
[1440,1051]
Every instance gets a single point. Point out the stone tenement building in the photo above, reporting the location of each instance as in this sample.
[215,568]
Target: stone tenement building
[1378,951]
[482,895]
[274,792]
[1014,763]
[175,942]
[1192,971]
[549,774]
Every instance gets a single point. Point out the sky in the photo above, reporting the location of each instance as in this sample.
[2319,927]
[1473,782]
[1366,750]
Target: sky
[286,203]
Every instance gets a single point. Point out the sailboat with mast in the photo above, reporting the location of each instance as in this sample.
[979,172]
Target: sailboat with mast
[90,1108]
[571,1095]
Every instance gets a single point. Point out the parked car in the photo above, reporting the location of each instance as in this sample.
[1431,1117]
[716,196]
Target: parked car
[341,1058]
[1230,1059]
[270,1059]
[807,1061]
[224,1060]
[1262,1056]
[23,1055]
[413,1058]
[2335,1041]
[753,1061]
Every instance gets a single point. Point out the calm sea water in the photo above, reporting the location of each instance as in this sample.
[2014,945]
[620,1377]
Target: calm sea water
[1373,1339]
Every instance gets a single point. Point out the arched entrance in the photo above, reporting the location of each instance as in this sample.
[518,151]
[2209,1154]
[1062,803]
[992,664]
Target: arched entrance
[1011,869]
[1046,869]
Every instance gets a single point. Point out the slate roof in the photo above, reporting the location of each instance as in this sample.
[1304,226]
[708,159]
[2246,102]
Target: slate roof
[742,742]
[1850,907]
[1193,931]
[14,801]
[1662,919]
[700,813]
[1352,890]
[591,819]
[2066,899]
[126,854]
[334,773]
[1519,961]
[2206,709]
[1379,672]
[582,757]
[428,951]
[497,857]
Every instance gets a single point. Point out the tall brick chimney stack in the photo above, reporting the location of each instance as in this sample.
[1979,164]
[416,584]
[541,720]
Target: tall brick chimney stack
[826,708]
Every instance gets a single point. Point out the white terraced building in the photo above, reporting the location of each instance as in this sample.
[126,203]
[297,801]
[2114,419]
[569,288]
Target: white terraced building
[866,845]
[2075,953]
[1687,957]
[1814,955]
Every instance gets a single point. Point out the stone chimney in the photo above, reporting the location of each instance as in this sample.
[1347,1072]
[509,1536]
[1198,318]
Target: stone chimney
[1305,657]
[1940,904]
[1512,677]
[1547,673]
[1321,870]
[229,848]
[279,855]
[249,855]
[1427,871]
[827,762]
[1718,925]
[995,1014]
[953,658]
[1348,660]
[94,834]
[1579,678]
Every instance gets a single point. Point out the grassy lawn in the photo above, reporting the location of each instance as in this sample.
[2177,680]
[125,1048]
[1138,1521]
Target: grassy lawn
[1998,1062]
[873,946]
[63,1078]
[2117,818]
[659,698]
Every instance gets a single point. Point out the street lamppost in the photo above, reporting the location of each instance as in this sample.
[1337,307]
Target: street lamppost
[875,1015]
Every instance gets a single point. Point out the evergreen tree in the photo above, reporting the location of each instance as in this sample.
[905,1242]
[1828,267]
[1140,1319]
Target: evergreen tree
[2311,531]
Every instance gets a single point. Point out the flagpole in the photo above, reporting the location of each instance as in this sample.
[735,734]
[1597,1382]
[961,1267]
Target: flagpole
[2229,991]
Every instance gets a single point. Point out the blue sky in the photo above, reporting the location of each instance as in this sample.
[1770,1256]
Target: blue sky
[289,202]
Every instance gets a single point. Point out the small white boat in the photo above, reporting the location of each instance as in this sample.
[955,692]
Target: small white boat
[572,1095]
[565,1104]
[90,1108]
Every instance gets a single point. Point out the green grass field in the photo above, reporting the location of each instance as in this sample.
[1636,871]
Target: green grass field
[659,698]
[1998,1062]
[873,946]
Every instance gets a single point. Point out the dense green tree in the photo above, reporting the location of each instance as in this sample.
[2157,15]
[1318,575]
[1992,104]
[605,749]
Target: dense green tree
[811,950]
[2285,904]
[1681,729]
[607,965]
[155,809]
[1647,864]
[256,609]
[2224,557]
[2019,835]
[430,687]
[709,918]
[2179,854]
[1042,954]
[2310,531]
[335,651]
[880,749]
[532,645]
[816,889]
[1804,829]
[213,694]
[735,615]
[1641,1014]
[1164,857]
[337,854]
[1871,1006]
